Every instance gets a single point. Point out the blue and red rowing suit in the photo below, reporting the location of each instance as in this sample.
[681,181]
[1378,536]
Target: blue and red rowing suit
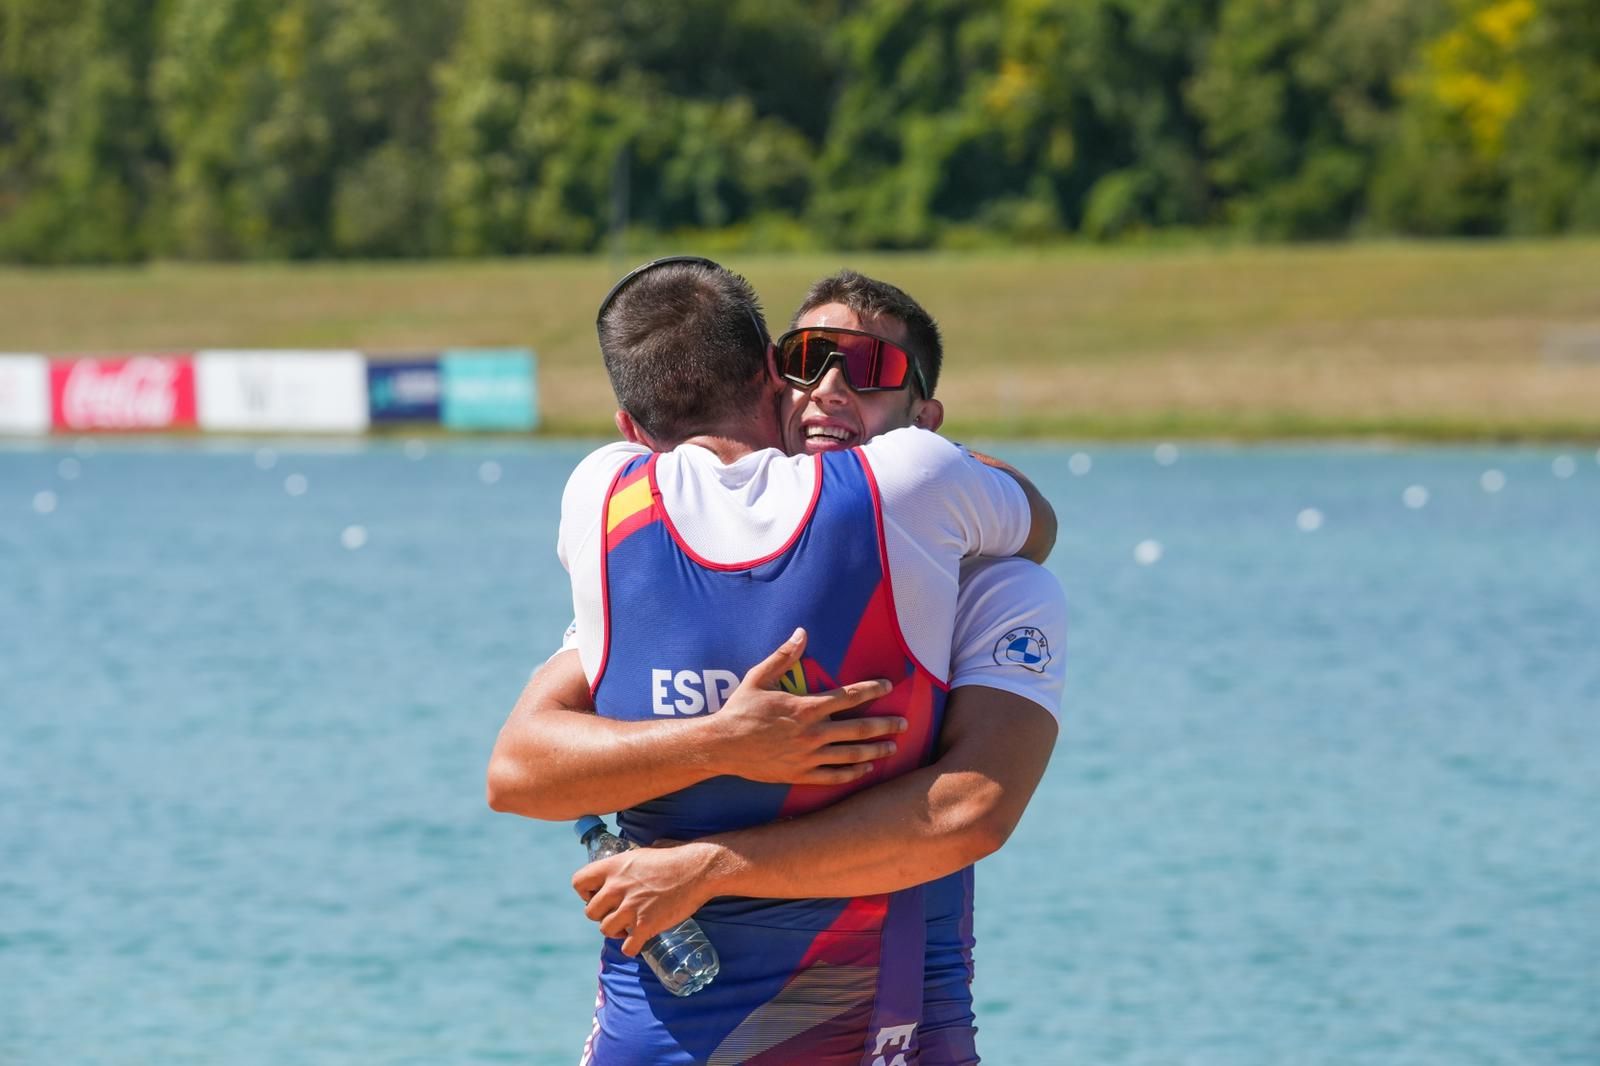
[828,982]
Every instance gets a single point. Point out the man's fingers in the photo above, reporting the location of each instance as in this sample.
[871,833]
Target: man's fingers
[616,923]
[847,696]
[849,754]
[586,882]
[852,729]
[835,775]
[770,670]
[600,905]
[634,944]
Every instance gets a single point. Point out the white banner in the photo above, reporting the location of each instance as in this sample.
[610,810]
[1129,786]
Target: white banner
[319,392]
[24,394]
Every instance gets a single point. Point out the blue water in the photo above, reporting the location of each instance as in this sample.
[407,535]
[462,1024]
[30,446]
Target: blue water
[1320,797]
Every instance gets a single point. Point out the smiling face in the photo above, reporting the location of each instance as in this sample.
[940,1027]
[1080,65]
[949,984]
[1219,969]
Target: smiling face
[831,415]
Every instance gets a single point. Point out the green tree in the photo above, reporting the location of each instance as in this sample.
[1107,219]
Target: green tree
[1024,119]
[82,158]
[1298,98]
[1552,141]
[301,128]
[555,113]
[900,132]
[1112,135]
[314,128]
[1443,171]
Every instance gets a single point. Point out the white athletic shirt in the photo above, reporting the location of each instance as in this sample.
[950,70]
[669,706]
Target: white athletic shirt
[1010,631]
[938,504]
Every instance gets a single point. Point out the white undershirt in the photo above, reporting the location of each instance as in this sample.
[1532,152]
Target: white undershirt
[939,506]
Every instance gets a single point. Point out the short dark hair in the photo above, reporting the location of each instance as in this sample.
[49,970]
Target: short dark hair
[685,345]
[869,296]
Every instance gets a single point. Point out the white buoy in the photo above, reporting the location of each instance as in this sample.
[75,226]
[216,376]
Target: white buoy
[1492,481]
[1309,520]
[353,537]
[1147,552]
[489,472]
[1415,497]
[1166,454]
[69,469]
[1080,464]
[296,484]
[266,458]
[1563,467]
[415,449]
[44,502]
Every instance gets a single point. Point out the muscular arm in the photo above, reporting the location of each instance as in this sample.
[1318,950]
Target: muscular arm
[904,832]
[556,759]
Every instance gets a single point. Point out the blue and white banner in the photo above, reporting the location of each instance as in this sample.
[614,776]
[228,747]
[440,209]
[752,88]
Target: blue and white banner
[404,388]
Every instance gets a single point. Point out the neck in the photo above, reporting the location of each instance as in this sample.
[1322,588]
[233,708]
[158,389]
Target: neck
[733,440]
[726,448]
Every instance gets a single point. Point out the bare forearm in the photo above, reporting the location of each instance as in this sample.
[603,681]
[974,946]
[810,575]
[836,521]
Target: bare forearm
[904,832]
[558,764]
[916,828]
[556,759]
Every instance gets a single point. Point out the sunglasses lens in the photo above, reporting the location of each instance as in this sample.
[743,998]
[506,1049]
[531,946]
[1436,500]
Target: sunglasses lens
[867,362]
[893,366]
[816,350]
[802,357]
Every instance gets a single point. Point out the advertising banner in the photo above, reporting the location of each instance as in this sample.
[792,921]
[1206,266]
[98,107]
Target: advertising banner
[404,389]
[489,388]
[134,393]
[24,394]
[254,391]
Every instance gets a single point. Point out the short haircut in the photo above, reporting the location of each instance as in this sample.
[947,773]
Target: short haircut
[685,345]
[869,296]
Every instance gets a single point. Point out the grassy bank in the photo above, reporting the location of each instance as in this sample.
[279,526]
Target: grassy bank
[1411,341]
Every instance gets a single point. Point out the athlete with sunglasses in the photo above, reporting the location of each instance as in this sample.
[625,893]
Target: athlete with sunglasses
[857,378]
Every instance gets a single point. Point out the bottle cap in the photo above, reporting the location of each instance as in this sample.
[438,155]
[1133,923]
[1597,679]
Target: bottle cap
[586,825]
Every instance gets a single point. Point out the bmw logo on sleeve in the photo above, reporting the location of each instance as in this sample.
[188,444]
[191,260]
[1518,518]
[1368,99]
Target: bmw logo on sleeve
[1024,646]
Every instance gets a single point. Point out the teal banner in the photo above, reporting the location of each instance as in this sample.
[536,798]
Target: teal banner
[488,388]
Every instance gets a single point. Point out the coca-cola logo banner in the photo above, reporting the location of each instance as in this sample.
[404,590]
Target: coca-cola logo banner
[135,393]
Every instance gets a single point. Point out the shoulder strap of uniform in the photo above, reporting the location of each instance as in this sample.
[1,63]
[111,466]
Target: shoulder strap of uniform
[633,501]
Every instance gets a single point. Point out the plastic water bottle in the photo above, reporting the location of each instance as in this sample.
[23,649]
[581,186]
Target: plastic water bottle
[682,957]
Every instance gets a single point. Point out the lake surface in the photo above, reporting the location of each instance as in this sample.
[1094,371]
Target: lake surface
[1327,791]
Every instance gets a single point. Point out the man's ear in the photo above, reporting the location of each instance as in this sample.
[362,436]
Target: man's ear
[929,415]
[775,382]
[631,432]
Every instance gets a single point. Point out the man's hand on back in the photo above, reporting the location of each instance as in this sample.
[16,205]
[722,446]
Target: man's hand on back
[765,733]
